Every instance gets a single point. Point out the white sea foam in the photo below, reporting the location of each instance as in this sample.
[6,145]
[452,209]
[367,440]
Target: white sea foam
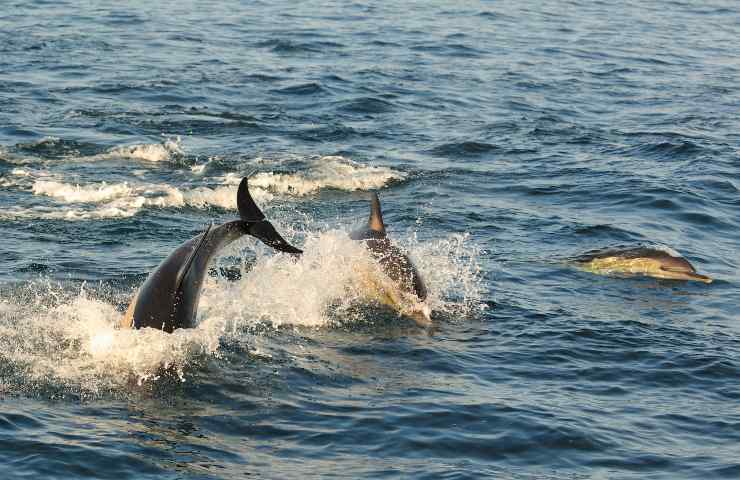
[115,200]
[73,342]
[52,338]
[169,149]
[334,274]
[327,172]
[95,193]
[125,199]
[20,172]
[22,178]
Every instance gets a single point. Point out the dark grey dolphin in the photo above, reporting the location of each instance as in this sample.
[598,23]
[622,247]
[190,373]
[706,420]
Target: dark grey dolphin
[393,261]
[169,297]
[652,262]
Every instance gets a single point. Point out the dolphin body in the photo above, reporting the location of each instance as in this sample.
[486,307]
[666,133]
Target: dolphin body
[396,265]
[169,297]
[652,262]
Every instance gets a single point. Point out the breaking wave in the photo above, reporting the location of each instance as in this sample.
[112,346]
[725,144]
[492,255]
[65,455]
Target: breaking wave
[327,172]
[102,200]
[169,149]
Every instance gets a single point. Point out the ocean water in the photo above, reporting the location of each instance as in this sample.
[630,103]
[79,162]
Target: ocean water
[503,138]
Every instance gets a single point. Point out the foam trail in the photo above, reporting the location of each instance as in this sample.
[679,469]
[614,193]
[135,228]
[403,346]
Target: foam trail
[119,200]
[327,172]
[169,149]
[95,193]
[103,200]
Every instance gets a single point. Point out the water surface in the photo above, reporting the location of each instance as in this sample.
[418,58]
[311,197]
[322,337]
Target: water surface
[503,137]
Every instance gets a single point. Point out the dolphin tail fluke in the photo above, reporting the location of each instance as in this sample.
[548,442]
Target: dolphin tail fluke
[375,222]
[248,210]
[258,226]
[266,233]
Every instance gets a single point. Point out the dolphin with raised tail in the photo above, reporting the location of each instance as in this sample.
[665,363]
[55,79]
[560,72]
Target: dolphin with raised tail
[652,262]
[409,293]
[169,297]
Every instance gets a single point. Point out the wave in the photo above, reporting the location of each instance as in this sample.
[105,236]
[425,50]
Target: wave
[367,105]
[40,151]
[101,200]
[286,46]
[311,88]
[334,172]
[464,148]
[169,149]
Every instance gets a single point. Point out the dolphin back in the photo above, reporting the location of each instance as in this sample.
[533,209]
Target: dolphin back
[397,265]
[630,253]
[169,298]
[394,261]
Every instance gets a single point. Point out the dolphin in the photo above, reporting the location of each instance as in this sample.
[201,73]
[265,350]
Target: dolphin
[409,287]
[652,262]
[169,297]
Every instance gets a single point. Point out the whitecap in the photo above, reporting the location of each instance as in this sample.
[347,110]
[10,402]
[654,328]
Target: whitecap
[169,149]
[326,172]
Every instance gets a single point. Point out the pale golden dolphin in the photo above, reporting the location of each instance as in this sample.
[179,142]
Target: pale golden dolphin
[652,262]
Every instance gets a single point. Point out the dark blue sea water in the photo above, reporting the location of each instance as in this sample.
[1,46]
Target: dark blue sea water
[503,138]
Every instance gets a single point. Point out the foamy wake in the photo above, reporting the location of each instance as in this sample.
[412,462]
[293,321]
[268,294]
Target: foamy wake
[17,178]
[169,149]
[116,200]
[101,200]
[56,339]
[324,172]
[130,198]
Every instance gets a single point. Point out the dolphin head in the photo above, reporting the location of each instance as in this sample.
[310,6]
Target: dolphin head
[678,268]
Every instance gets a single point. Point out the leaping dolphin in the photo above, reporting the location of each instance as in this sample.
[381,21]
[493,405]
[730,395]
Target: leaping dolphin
[652,262]
[412,291]
[169,297]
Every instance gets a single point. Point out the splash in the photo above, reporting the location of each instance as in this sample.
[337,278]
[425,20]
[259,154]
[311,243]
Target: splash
[335,275]
[53,339]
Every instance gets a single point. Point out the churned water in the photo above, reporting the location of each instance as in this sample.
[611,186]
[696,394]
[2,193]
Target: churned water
[503,137]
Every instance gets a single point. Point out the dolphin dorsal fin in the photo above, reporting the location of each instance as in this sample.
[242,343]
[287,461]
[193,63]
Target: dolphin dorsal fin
[375,222]
[248,210]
